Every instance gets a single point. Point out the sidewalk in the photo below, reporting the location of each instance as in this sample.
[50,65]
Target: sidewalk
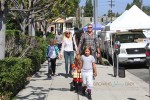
[106,87]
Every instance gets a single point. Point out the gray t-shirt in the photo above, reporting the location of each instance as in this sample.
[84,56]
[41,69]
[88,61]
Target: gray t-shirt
[87,62]
[59,38]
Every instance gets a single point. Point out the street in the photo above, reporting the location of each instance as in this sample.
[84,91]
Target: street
[139,71]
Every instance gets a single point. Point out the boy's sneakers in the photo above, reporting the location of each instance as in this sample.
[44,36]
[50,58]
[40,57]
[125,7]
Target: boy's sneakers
[49,76]
[54,74]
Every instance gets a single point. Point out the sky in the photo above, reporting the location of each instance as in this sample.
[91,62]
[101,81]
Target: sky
[120,5]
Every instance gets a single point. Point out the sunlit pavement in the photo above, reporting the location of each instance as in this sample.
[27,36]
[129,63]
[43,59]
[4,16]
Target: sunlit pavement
[106,87]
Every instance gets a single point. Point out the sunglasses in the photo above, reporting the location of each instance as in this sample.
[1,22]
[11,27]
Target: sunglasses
[89,27]
[67,32]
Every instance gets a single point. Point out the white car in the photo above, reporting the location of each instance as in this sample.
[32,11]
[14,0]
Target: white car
[132,47]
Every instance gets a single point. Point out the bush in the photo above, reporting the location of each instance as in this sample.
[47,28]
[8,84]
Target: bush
[14,72]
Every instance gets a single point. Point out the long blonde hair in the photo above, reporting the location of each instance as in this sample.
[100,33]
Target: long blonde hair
[64,35]
[77,59]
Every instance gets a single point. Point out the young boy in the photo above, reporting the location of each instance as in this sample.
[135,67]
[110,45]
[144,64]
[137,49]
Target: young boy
[52,53]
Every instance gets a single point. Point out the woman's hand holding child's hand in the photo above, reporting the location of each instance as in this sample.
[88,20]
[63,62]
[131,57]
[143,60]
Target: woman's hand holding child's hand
[60,57]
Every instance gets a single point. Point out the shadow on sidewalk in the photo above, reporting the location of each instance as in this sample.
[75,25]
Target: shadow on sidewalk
[39,92]
[131,99]
[59,89]
[62,74]
[58,64]
[111,75]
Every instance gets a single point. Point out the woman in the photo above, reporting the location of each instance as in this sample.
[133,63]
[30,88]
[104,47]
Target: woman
[67,50]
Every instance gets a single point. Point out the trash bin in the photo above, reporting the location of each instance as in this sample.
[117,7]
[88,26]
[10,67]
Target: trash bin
[121,72]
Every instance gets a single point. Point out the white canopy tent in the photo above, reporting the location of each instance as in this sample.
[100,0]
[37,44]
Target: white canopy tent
[107,27]
[134,18]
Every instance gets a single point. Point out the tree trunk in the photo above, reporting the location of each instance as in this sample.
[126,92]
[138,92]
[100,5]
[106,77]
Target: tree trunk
[2,31]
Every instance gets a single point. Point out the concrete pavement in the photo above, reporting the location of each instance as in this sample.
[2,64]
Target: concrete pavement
[106,87]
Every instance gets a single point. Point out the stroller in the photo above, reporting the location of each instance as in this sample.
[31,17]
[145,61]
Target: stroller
[77,79]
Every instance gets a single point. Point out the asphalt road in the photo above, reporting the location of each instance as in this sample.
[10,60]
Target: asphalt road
[139,71]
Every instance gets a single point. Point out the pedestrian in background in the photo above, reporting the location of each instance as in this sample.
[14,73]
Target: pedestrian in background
[88,69]
[59,38]
[67,51]
[52,53]
[89,38]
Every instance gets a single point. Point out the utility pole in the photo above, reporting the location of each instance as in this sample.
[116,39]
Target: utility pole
[82,12]
[141,4]
[95,11]
[111,5]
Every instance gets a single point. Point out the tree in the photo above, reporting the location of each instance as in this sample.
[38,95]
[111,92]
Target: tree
[110,14]
[32,11]
[117,14]
[135,2]
[28,12]
[138,3]
[3,12]
[88,9]
[128,6]
[146,9]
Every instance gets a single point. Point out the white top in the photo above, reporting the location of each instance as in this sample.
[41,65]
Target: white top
[67,45]
[52,52]
[87,63]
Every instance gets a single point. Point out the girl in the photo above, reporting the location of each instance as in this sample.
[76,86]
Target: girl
[52,53]
[88,69]
[76,72]
[77,62]
[67,51]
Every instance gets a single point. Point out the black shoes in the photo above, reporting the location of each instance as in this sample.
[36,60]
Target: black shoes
[89,96]
[88,93]
[83,90]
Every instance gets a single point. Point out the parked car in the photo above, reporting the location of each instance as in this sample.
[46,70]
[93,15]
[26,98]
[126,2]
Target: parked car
[132,48]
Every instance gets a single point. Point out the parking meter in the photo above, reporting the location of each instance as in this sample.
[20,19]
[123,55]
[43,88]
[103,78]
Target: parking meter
[117,47]
[117,51]
[147,54]
[148,60]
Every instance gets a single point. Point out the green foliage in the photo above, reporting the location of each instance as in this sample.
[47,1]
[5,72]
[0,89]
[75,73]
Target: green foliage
[42,47]
[138,3]
[11,23]
[10,33]
[50,35]
[88,9]
[14,72]
[39,33]
[146,9]
[35,55]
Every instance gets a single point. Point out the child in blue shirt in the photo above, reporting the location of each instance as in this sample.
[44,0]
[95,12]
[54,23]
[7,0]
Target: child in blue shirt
[52,53]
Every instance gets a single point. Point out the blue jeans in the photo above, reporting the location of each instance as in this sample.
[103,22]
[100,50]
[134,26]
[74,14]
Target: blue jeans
[68,55]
